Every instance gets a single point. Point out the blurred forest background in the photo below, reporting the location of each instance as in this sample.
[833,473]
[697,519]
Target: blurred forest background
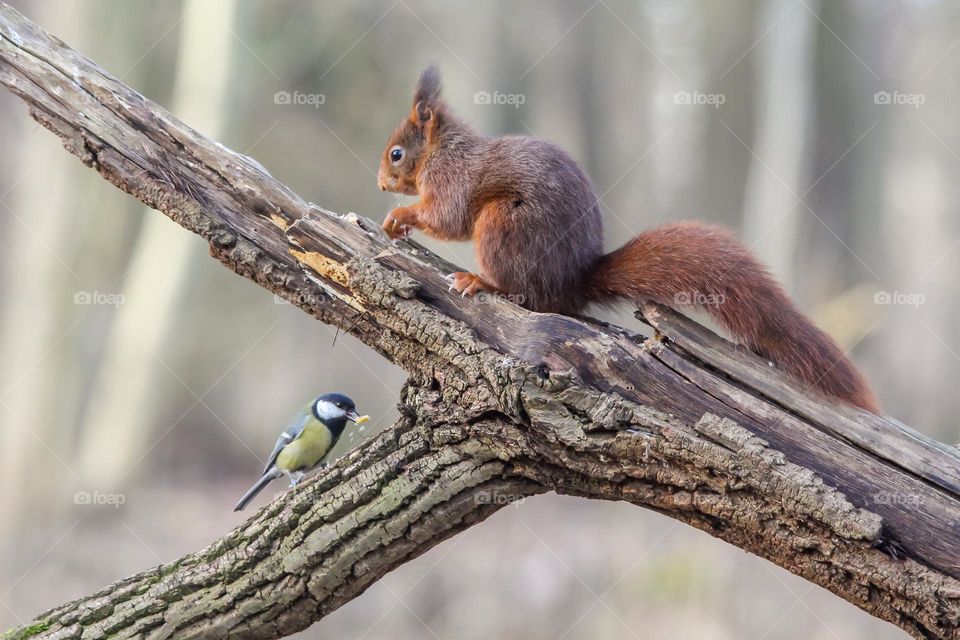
[142,384]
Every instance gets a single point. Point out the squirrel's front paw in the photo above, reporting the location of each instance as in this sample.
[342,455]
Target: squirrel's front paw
[400,223]
[468,283]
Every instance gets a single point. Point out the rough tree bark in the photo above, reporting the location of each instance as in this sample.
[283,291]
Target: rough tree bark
[500,404]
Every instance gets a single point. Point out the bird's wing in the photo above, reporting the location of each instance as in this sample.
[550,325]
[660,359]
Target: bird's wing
[288,436]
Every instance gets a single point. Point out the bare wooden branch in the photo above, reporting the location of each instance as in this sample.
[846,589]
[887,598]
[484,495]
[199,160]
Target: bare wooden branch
[500,404]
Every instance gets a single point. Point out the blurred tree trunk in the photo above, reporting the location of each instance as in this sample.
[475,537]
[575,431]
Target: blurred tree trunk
[848,135]
[912,187]
[779,172]
[31,338]
[136,352]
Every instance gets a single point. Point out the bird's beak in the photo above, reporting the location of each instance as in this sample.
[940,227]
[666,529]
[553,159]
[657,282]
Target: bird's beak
[356,417]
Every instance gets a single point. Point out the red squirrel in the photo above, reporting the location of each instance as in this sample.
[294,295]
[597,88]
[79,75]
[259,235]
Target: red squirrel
[536,224]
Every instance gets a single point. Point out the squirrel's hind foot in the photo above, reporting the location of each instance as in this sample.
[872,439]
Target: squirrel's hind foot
[468,283]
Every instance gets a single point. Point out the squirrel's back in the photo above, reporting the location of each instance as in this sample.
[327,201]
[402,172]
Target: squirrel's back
[538,227]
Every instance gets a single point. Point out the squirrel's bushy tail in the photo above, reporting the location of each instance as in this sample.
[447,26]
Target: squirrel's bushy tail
[692,264]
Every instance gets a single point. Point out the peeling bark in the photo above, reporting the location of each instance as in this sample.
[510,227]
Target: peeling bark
[500,404]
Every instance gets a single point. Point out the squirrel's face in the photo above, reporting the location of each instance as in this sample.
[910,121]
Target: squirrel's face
[401,157]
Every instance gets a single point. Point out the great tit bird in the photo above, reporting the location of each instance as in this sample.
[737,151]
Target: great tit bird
[304,445]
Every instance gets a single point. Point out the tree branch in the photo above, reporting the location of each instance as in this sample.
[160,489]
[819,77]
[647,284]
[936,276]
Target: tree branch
[500,404]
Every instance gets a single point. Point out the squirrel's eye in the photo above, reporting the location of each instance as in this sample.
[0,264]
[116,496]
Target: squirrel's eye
[396,155]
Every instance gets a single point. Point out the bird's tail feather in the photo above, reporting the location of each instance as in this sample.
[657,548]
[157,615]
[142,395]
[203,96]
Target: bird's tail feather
[264,480]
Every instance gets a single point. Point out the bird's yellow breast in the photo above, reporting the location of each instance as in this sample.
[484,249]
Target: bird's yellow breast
[307,450]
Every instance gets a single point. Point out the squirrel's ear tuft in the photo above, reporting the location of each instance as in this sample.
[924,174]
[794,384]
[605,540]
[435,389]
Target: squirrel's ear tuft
[421,113]
[428,87]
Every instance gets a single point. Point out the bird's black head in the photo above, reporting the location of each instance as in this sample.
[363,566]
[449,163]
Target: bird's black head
[336,407]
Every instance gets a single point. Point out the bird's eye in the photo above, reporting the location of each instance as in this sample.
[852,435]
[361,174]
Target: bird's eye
[396,154]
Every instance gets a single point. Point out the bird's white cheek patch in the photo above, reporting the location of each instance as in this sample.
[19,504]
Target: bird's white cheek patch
[328,410]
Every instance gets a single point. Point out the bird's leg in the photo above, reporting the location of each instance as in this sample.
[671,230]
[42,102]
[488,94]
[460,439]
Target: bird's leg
[295,477]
